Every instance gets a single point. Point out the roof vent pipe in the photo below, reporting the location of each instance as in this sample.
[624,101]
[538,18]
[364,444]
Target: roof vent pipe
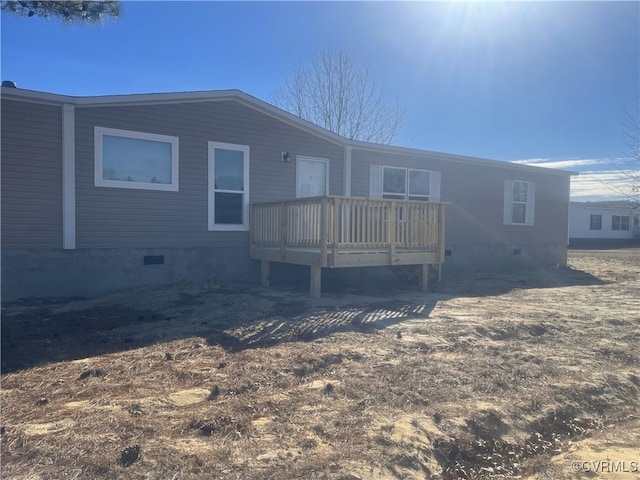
[9,84]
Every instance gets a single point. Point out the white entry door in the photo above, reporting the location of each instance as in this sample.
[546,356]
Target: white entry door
[312,177]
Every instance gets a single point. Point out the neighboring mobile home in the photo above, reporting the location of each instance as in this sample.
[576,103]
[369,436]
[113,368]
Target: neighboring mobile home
[100,193]
[593,224]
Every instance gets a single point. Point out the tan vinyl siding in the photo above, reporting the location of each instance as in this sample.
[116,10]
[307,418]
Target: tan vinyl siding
[114,217]
[476,198]
[31,150]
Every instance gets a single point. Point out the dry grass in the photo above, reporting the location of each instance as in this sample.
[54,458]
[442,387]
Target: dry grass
[508,375]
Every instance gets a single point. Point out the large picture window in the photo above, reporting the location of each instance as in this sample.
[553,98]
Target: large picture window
[127,159]
[228,186]
[519,202]
[620,222]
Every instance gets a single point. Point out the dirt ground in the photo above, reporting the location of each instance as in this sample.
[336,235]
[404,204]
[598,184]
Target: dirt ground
[530,375]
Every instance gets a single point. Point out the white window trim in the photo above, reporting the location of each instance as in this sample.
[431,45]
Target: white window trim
[100,181]
[68,177]
[376,183]
[348,150]
[211,188]
[312,159]
[529,215]
[620,229]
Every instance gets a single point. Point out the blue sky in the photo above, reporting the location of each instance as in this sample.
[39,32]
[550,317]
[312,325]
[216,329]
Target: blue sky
[543,83]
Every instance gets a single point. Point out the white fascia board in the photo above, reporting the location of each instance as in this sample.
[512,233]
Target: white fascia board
[154,98]
[619,210]
[35,96]
[126,99]
[606,205]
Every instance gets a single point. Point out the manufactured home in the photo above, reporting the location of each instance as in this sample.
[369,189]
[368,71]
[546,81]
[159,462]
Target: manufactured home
[603,224]
[108,192]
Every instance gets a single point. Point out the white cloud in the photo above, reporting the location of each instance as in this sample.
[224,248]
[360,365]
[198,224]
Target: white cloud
[560,164]
[598,179]
[600,185]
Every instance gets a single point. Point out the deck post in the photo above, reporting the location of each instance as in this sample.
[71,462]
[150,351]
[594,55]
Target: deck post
[441,239]
[265,268]
[324,229]
[441,231]
[315,281]
[283,231]
[336,236]
[424,277]
[391,233]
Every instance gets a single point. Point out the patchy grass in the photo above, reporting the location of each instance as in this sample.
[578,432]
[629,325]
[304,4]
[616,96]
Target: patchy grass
[497,376]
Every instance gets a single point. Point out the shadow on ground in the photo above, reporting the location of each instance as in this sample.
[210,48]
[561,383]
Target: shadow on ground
[318,324]
[482,284]
[41,331]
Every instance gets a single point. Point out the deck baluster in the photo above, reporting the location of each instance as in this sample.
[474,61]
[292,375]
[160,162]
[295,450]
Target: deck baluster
[334,231]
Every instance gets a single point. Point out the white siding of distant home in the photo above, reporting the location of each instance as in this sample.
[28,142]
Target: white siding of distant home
[580,222]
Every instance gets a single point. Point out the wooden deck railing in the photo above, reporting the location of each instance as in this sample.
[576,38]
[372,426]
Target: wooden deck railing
[340,225]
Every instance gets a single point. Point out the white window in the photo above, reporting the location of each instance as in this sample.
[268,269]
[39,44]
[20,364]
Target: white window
[126,159]
[519,202]
[394,182]
[419,184]
[228,186]
[404,183]
[620,222]
[595,222]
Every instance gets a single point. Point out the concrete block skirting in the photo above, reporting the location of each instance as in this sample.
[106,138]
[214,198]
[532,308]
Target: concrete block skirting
[59,273]
[498,257]
[603,243]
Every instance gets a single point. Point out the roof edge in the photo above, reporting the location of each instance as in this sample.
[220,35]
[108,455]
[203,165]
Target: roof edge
[174,97]
[35,95]
[264,107]
[455,157]
[607,204]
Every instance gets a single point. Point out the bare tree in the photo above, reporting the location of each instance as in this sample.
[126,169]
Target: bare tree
[68,10]
[629,164]
[337,93]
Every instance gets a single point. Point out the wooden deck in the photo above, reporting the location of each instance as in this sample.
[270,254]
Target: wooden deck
[337,232]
